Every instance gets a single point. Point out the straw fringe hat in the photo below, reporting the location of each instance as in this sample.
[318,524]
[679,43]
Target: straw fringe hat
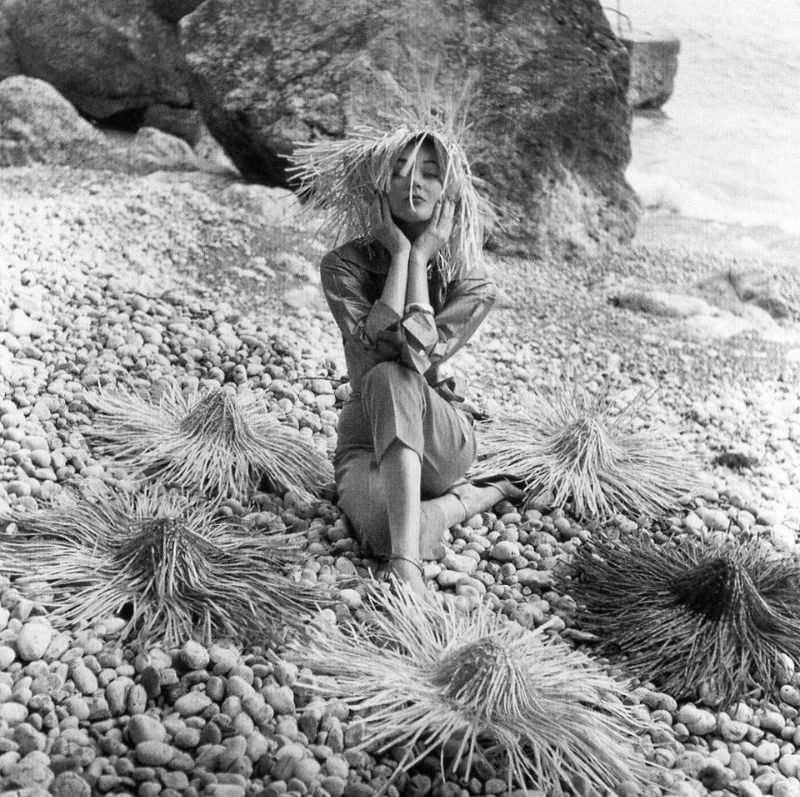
[429,680]
[712,618]
[594,451]
[214,441]
[342,176]
[172,565]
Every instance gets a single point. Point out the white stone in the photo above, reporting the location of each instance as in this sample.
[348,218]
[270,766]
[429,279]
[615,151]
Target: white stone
[460,563]
[767,752]
[783,538]
[33,639]
[20,324]
[697,720]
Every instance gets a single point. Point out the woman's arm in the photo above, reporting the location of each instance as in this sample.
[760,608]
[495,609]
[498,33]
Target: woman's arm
[399,248]
[424,249]
[468,298]
[394,289]
[437,338]
[468,302]
[372,324]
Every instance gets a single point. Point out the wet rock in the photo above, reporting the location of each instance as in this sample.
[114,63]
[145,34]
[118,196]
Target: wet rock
[136,701]
[116,695]
[714,518]
[772,721]
[731,730]
[224,790]
[459,563]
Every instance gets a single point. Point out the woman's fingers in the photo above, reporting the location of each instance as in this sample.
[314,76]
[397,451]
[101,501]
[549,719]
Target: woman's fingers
[448,210]
[376,205]
[386,211]
[445,218]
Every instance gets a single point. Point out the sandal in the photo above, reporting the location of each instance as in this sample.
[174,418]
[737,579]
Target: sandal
[416,562]
[414,582]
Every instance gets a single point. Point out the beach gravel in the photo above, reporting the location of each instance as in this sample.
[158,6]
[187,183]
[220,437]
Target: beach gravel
[116,280]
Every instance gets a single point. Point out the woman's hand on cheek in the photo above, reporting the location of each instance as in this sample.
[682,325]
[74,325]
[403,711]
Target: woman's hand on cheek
[386,232]
[437,233]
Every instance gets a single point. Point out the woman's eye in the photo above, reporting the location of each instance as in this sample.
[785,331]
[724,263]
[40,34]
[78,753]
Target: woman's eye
[431,175]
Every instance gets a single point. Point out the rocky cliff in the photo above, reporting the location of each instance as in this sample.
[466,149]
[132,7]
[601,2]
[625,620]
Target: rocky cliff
[551,124]
[547,86]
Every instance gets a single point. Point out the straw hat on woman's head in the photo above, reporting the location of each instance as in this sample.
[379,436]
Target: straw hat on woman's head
[343,175]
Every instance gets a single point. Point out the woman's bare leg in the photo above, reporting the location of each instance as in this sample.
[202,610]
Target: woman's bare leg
[401,472]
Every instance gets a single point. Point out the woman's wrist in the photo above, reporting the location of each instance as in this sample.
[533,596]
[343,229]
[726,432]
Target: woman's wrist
[422,307]
[417,259]
[395,287]
[401,250]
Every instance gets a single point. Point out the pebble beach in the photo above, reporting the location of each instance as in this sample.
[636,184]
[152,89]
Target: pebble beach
[110,279]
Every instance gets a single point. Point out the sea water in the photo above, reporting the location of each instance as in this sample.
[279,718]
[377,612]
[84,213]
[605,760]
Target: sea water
[726,146]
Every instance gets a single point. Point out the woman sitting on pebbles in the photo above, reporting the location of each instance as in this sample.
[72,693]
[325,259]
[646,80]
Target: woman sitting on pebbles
[407,293]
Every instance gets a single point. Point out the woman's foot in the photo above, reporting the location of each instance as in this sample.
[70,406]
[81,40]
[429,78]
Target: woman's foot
[478,497]
[409,571]
[505,487]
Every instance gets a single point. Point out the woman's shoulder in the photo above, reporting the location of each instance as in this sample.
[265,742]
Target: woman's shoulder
[359,252]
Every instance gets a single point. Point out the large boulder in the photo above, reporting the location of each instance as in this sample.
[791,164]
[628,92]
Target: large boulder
[653,66]
[173,10]
[154,150]
[749,285]
[37,125]
[550,121]
[104,56]
[186,123]
[9,63]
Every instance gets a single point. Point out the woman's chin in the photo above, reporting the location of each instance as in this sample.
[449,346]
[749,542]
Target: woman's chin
[408,216]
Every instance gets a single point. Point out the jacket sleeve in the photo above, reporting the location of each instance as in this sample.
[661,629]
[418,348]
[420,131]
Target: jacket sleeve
[419,339]
[468,302]
[373,325]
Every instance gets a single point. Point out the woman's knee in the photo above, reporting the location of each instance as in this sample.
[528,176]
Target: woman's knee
[391,377]
[395,404]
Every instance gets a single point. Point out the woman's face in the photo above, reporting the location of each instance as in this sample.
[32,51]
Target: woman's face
[416,184]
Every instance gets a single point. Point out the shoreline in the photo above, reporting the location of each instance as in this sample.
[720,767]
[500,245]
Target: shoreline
[763,242]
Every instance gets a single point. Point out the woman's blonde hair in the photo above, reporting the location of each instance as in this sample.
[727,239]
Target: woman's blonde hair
[342,177]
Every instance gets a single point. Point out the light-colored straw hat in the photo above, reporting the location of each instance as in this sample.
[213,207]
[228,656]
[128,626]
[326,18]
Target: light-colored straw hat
[342,176]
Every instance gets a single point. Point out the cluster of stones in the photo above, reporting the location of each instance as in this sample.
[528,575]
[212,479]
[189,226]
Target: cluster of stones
[106,336]
[81,713]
